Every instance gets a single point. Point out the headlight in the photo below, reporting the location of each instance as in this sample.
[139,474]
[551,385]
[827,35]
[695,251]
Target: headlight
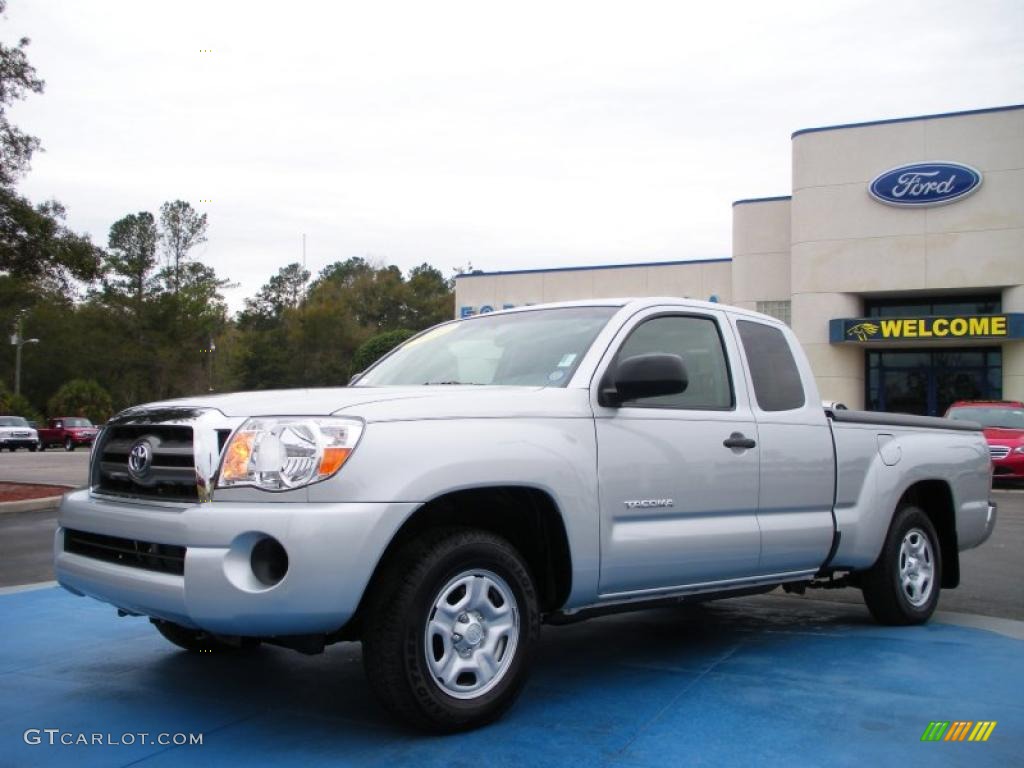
[1019,449]
[282,453]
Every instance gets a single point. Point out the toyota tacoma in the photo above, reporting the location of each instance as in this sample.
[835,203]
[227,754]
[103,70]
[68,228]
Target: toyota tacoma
[539,465]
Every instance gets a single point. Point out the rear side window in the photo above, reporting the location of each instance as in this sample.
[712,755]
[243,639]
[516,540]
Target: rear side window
[777,384]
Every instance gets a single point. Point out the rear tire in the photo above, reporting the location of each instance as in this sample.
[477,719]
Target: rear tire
[198,641]
[450,630]
[903,585]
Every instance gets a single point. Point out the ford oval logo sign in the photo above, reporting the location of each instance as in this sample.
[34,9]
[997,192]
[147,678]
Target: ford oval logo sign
[922,184]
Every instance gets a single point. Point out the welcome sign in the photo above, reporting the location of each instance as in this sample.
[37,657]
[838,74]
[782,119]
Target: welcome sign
[930,328]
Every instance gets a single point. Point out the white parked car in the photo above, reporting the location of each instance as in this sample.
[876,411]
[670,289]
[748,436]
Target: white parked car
[16,433]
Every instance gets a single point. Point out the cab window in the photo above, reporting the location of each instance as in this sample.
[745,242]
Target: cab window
[697,341]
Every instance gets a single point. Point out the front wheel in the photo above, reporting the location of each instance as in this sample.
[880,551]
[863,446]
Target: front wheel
[69,445]
[903,585]
[450,630]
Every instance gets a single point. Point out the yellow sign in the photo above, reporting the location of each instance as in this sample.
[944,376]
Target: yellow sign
[925,328]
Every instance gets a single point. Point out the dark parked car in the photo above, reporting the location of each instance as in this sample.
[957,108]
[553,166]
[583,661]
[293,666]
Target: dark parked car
[68,431]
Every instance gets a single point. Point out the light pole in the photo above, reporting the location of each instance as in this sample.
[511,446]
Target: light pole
[211,350]
[18,342]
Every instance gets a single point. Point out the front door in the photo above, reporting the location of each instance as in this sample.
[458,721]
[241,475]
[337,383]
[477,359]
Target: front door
[678,506]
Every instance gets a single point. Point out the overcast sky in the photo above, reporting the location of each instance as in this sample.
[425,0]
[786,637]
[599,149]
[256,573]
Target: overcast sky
[515,135]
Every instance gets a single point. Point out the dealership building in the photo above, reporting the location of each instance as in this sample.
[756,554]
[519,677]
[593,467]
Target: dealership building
[897,259]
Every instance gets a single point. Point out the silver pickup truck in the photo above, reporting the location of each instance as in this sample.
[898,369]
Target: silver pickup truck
[545,464]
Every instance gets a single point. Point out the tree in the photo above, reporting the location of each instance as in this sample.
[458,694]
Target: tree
[82,397]
[132,257]
[182,228]
[285,290]
[36,248]
[431,297]
[17,405]
[17,80]
[375,347]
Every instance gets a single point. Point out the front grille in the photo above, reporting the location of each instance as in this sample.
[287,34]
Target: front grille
[172,474]
[998,451]
[166,558]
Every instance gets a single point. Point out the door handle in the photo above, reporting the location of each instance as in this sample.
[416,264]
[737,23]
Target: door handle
[738,440]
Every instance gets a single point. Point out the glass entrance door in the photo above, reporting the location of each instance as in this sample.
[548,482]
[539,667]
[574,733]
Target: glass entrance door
[926,382]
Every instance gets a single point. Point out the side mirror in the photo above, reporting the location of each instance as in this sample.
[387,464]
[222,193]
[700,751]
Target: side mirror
[648,375]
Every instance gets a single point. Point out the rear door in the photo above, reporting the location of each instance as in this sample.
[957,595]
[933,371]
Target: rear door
[678,505]
[797,473]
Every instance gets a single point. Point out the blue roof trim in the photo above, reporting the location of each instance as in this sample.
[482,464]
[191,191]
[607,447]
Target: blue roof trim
[748,200]
[987,110]
[478,273]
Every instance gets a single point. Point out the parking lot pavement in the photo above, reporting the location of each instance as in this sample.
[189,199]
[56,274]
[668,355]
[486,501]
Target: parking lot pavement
[729,683]
[52,466]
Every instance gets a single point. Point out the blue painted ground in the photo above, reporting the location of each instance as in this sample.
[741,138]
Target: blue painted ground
[757,681]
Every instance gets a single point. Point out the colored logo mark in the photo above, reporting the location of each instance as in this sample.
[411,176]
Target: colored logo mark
[863,330]
[958,730]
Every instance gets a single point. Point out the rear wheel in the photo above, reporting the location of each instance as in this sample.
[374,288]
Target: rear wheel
[198,641]
[903,586]
[450,630]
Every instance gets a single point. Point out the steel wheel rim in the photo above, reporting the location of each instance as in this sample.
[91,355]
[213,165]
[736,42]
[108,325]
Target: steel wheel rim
[471,634]
[916,567]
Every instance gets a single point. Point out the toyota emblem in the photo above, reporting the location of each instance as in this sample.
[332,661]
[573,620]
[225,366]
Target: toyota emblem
[140,459]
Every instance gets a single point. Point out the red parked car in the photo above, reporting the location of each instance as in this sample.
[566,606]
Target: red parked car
[68,431]
[1003,421]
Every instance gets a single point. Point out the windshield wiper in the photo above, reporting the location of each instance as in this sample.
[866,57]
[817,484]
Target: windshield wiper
[450,383]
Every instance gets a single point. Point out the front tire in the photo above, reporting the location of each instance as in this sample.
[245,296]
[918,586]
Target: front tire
[69,445]
[903,585]
[450,630]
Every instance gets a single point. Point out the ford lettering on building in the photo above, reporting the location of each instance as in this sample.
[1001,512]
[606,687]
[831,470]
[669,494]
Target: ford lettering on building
[923,184]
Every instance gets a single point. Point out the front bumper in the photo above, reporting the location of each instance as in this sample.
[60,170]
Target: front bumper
[18,442]
[332,552]
[1009,468]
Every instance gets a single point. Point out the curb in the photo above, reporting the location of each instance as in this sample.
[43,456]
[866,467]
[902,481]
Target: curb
[29,505]
[32,505]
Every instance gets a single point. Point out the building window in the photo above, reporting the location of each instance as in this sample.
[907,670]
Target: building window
[935,305]
[927,381]
[780,310]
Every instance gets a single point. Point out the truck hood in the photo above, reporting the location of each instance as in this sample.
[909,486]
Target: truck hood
[397,403]
[1010,437]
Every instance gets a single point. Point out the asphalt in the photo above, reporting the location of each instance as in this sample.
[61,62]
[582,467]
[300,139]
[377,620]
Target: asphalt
[738,682]
[52,466]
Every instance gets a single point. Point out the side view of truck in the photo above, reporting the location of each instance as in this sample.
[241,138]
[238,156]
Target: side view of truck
[68,432]
[540,465]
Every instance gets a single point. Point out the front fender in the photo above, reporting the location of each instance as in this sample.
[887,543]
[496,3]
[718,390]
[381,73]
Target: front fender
[416,461]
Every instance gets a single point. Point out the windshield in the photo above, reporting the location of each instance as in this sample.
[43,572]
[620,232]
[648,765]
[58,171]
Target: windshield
[77,423]
[1006,418]
[12,421]
[539,348]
